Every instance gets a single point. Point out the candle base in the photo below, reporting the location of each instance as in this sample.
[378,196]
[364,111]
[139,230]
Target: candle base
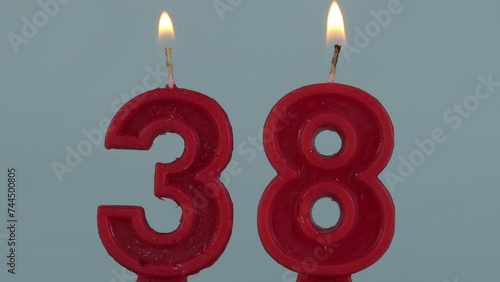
[310,278]
[144,278]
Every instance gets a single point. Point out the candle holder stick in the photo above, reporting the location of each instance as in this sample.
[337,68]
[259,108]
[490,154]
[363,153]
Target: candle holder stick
[333,69]
[170,67]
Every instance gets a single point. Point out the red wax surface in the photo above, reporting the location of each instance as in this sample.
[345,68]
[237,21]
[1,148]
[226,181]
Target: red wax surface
[192,181]
[366,225]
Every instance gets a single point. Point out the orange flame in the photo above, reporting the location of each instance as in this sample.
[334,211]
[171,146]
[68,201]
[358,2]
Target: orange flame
[165,27]
[335,32]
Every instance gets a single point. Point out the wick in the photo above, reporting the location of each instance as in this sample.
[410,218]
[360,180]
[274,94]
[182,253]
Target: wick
[170,67]
[333,69]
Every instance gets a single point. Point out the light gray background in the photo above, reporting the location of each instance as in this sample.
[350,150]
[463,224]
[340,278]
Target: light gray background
[65,78]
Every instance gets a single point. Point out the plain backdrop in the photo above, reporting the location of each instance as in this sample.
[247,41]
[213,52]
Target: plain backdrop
[63,82]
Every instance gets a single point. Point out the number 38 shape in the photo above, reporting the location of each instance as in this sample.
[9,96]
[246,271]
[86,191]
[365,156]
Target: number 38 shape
[192,181]
[366,225]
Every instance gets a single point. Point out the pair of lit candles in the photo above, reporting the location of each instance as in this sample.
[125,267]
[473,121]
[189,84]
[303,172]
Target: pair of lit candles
[287,231]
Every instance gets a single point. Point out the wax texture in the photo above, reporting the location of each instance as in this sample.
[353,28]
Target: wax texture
[192,181]
[367,216]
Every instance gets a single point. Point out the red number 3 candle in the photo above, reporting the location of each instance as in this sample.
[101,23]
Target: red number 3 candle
[192,181]
[366,225]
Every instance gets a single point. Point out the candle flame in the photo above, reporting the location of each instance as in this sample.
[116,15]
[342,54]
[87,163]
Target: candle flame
[335,32]
[165,27]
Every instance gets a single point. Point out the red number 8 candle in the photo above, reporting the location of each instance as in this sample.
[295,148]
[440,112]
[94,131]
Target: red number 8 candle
[192,181]
[366,225]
